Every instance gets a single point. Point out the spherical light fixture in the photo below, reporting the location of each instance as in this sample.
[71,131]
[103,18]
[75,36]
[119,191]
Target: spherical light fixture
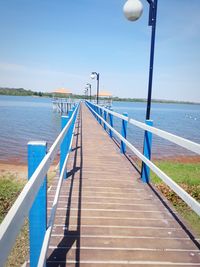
[93,76]
[133,9]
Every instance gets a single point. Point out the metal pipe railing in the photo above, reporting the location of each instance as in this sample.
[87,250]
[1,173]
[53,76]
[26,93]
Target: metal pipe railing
[14,220]
[185,143]
[191,202]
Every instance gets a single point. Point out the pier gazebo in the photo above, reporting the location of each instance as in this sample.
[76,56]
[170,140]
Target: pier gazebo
[105,99]
[62,100]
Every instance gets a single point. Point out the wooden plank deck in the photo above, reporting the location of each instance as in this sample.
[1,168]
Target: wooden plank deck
[107,216]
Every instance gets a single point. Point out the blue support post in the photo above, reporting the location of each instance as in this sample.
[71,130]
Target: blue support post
[147,153]
[70,113]
[38,211]
[97,111]
[94,108]
[123,133]
[64,145]
[105,118]
[100,113]
[70,131]
[111,124]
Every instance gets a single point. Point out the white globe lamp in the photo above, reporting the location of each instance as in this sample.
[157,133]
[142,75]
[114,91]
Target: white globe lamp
[93,76]
[133,9]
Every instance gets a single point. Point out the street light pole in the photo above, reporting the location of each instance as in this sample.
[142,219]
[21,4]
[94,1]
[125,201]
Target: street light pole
[90,86]
[152,23]
[133,10]
[93,75]
[86,93]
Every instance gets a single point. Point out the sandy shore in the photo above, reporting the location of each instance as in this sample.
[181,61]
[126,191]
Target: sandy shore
[20,170]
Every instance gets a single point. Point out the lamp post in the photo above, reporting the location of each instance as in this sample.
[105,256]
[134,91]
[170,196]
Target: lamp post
[89,86]
[86,93]
[133,10]
[93,75]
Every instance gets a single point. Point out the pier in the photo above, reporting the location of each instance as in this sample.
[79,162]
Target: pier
[102,210]
[62,105]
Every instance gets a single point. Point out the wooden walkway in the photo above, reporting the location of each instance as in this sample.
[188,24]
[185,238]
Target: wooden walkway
[107,216]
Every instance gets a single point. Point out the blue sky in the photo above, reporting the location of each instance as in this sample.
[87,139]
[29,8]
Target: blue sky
[47,44]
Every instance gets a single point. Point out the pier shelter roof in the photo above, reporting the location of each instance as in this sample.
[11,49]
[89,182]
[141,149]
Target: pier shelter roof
[62,91]
[105,94]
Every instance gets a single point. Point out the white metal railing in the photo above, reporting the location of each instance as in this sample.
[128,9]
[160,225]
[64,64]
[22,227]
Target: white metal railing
[191,202]
[14,220]
[192,146]
[43,253]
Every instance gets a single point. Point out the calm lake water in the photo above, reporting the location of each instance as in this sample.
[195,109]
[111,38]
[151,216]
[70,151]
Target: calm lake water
[27,118]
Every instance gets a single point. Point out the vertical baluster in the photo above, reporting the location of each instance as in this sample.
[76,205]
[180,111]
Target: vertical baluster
[64,145]
[101,115]
[147,153]
[124,133]
[38,211]
[111,123]
[105,118]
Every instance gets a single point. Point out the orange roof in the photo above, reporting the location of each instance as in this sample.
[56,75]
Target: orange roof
[62,91]
[105,94]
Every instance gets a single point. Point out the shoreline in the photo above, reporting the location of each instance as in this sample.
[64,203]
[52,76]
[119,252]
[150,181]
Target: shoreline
[175,159]
[20,170]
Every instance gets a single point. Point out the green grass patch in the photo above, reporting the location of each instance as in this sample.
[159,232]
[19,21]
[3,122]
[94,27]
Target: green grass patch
[187,175]
[10,188]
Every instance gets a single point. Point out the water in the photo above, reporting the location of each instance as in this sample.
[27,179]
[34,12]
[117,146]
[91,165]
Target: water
[180,119]
[23,119]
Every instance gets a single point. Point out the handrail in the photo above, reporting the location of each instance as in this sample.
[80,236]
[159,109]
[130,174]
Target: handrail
[191,202]
[43,253]
[14,220]
[190,145]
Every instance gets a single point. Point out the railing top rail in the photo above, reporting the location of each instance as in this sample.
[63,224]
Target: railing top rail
[190,145]
[51,220]
[14,220]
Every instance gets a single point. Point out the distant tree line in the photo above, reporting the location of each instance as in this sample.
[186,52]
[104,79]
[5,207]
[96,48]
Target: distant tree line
[24,92]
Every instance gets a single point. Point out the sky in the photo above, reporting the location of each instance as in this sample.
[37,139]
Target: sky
[48,44]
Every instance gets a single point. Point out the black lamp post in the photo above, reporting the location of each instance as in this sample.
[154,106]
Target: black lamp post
[133,10]
[93,75]
[86,93]
[90,86]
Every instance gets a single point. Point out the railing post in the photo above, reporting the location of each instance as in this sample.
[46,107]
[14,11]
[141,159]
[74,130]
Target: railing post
[71,127]
[123,133]
[100,113]
[38,211]
[147,153]
[111,124]
[64,145]
[105,118]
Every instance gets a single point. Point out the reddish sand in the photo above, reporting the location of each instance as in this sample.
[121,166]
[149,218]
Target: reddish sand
[17,168]
[180,159]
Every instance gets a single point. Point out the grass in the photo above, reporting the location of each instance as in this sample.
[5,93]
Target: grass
[10,188]
[187,175]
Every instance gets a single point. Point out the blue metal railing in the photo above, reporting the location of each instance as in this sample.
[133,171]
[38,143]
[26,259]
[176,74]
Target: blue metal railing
[147,164]
[34,194]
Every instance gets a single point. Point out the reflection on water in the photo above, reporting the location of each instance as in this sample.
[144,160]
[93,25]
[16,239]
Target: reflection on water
[28,118]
